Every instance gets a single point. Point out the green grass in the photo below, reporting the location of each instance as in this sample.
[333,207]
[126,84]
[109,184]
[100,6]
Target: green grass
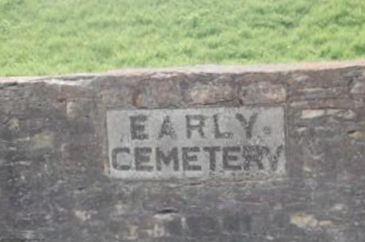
[40,37]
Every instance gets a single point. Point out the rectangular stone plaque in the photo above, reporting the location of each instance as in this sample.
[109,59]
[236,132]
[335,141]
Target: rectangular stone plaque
[229,142]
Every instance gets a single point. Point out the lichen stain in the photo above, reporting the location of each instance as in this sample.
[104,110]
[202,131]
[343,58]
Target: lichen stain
[82,215]
[42,140]
[308,221]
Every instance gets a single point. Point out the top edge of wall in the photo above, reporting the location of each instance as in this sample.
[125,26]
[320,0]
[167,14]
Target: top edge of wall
[210,68]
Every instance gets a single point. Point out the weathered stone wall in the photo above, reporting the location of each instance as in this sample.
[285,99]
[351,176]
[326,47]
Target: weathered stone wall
[56,185]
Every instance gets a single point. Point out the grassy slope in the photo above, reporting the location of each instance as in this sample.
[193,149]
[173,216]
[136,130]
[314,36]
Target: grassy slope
[63,36]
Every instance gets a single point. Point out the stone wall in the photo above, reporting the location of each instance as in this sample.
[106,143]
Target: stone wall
[57,184]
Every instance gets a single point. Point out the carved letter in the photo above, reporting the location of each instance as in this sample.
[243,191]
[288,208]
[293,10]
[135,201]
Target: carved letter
[188,157]
[167,129]
[142,156]
[228,156]
[212,156]
[166,159]
[200,119]
[248,126]
[217,133]
[137,127]
[115,163]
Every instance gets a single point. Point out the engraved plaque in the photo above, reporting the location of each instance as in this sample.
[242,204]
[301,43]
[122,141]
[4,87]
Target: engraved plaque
[227,142]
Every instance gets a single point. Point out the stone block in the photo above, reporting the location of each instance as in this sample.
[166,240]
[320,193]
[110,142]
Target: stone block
[212,154]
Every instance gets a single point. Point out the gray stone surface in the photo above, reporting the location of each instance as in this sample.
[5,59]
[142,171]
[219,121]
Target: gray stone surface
[56,182]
